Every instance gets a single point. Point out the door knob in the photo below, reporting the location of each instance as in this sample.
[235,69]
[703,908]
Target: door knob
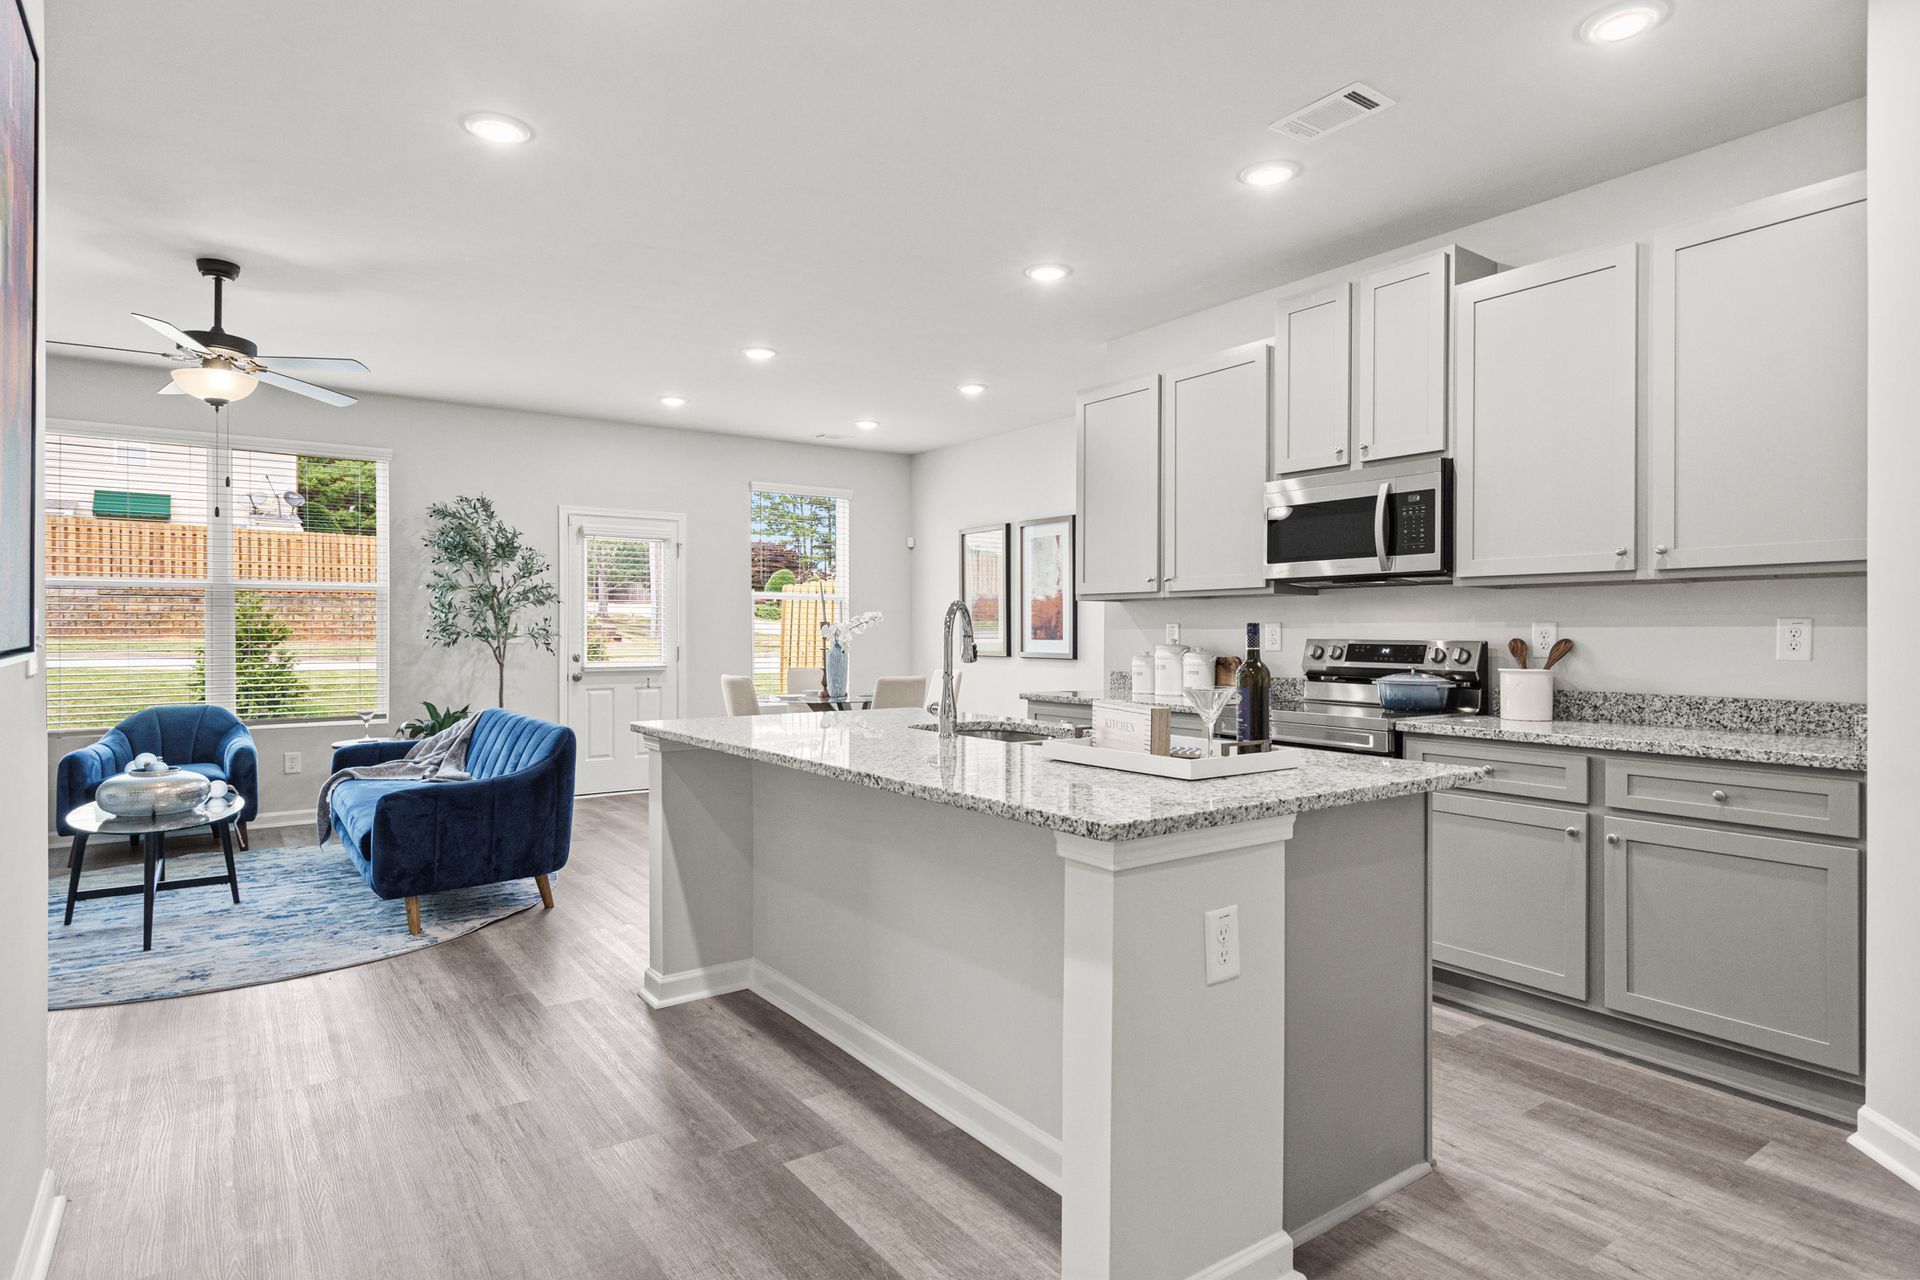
[577,677]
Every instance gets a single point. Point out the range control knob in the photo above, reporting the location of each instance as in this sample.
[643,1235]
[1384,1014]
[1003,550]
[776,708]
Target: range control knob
[1337,653]
[1438,655]
[1461,654]
[1317,652]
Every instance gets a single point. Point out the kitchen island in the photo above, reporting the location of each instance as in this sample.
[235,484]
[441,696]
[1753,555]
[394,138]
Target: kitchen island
[1023,945]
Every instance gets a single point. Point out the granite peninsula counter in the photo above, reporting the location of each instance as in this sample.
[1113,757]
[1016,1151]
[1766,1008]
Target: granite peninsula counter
[1023,945]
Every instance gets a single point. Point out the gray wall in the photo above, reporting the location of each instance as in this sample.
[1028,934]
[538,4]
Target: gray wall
[531,464]
[23,930]
[1893,611]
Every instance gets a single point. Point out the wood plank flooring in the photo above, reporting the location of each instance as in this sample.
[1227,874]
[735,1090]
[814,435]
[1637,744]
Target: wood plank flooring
[505,1105]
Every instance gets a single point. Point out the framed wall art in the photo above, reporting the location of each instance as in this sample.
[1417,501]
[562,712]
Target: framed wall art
[19,210]
[1049,615]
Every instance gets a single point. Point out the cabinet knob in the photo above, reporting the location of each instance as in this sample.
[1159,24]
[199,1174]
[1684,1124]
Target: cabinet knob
[1612,838]
[1573,831]
[1720,795]
[1659,549]
[1620,551]
[1151,581]
[1365,447]
[1340,453]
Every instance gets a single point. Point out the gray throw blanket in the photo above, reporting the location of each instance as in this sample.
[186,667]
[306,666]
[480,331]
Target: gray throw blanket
[441,758]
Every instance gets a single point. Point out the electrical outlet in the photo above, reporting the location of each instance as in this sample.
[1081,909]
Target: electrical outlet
[1173,633]
[291,762]
[1269,635]
[1223,944]
[1793,639]
[1540,638]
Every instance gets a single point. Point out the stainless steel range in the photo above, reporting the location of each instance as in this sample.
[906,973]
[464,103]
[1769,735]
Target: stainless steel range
[1340,709]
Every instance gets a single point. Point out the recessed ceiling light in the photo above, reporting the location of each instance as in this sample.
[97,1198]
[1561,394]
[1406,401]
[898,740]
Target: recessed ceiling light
[1049,272]
[972,388]
[491,126]
[673,402]
[867,424]
[759,353]
[1269,173]
[1623,22]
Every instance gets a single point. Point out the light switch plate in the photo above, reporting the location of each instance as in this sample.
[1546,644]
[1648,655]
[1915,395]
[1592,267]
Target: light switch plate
[1793,639]
[1173,633]
[1223,944]
[1540,638]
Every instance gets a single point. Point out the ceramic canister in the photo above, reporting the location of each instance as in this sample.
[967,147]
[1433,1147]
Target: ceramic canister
[1169,669]
[1142,673]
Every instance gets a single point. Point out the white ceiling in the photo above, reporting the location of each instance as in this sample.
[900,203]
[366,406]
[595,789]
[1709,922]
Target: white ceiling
[857,183]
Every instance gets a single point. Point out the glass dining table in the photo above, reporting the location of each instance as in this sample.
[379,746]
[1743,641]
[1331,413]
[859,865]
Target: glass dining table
[814,702]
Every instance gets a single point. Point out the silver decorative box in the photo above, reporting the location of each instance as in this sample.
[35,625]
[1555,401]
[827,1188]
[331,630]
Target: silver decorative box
[150,787]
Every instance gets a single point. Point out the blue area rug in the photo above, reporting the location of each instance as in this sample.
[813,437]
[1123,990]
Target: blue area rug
[302,910]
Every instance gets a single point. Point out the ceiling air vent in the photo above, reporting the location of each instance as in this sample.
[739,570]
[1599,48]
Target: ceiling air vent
[1335,111]
[828,435]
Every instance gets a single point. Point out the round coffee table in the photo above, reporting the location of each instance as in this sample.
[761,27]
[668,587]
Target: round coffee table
[91,820]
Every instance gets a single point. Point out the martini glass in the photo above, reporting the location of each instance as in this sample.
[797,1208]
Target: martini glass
[1210,702]
[366,724]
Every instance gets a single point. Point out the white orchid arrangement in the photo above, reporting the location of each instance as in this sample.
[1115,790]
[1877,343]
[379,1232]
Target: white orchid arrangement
[845,631]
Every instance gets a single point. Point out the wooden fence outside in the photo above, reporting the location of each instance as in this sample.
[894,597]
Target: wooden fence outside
[801,613]
[92,547]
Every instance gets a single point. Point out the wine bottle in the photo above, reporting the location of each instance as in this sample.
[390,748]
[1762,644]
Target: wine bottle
[1256,684]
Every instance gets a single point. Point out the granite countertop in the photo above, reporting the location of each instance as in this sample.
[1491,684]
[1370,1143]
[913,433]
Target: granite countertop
[1010,780]
[1810,751]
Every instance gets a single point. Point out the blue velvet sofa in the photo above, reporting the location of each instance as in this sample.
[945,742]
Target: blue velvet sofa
[205,739]
[514,818]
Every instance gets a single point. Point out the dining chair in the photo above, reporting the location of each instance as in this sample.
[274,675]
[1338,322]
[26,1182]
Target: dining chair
[803,680]
[740,698]
[899,691]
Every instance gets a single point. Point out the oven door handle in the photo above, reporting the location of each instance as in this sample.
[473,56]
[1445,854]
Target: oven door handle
[1380,522]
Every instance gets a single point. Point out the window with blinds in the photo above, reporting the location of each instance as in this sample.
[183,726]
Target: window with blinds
[166,584]
[802,576]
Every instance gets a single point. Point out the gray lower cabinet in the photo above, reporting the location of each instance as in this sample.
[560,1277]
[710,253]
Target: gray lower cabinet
[1753,939]
[1510,891]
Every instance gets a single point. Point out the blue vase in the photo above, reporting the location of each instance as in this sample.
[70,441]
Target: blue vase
[836,671]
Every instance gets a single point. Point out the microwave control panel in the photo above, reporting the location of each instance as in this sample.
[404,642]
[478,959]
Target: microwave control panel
[1416,525]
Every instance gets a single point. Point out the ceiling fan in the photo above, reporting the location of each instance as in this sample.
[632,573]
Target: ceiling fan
[222,367]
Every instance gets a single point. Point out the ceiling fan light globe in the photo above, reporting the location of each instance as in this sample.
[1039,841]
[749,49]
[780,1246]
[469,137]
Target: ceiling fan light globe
[215,382]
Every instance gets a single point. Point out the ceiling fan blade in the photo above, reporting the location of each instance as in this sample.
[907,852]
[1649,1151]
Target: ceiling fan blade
[298,387]
[342,364]
[95,346]
[177,337]
[171,389]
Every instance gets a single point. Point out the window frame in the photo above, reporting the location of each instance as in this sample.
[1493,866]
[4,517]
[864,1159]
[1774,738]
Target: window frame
[843,554]
[220,586]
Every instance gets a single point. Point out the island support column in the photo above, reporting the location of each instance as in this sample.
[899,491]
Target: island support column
[1172,1143]
[700,874]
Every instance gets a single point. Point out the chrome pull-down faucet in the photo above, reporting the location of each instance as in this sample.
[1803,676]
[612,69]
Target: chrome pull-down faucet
[946,710]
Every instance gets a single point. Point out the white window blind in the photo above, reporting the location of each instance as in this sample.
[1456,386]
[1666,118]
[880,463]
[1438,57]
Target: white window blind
[165,585]
[625,594]
[802,575]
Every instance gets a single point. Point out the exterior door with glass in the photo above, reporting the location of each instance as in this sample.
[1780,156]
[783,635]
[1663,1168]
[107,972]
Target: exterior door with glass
[621,605]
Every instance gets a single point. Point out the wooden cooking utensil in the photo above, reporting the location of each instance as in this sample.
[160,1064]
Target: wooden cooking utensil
[1518,648]
[1561,648]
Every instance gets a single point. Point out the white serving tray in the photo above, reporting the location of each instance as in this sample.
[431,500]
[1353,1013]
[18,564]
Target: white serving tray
[1080,751]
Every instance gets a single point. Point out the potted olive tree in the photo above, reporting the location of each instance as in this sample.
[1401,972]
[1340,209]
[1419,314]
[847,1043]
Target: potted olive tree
[485,582]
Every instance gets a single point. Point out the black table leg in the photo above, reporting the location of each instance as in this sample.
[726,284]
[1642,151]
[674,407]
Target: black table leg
[156,848]
[73,876]
[226,847]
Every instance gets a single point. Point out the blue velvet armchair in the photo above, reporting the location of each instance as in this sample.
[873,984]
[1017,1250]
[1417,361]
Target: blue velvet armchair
[512,820]
[205,739]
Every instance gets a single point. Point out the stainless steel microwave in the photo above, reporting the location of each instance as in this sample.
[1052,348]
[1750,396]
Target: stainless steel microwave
[1387,522]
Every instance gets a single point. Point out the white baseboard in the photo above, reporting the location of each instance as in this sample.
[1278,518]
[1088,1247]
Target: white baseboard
[1889,1144]
[1269,1259]
[43,1230]
[1365,1200]
[662,990]
[1029,1148]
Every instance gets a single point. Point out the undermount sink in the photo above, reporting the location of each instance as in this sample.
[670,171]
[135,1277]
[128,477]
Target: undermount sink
[991,732]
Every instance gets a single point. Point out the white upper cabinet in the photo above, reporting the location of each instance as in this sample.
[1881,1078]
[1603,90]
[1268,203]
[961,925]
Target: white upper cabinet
[1400,354]
[1546,417]
[1312,380]
[1216,472]
[1756,361]
[1119,509]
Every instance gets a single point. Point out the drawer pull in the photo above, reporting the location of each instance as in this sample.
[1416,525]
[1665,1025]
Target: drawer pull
[1573,831]
[1720,796]
[1612,838]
